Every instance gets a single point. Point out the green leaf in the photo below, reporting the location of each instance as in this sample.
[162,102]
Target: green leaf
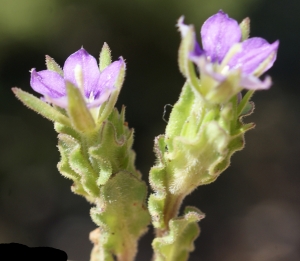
[53,66]
[80,116]
[178,243]
[121,214]
[41,107]
[105,57]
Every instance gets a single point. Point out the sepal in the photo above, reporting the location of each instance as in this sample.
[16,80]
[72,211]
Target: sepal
[245,28]
[79,114]
[41,107]
[105,57]
[53,66]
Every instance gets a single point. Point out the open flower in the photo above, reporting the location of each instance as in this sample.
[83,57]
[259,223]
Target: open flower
[223,53]
[80,69]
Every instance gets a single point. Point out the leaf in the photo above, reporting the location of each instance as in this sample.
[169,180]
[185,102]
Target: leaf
[178,243]
[121,214]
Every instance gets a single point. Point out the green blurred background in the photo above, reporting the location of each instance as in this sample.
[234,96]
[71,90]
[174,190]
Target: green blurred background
[252,210]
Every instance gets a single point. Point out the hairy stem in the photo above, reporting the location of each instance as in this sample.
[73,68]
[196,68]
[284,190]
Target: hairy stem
[172,206]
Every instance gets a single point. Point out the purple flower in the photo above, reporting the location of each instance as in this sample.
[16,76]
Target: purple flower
[81,69]
[223,52]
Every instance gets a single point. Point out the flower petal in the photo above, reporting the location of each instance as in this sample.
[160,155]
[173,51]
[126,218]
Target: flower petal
[219,33]
[48,83]
[89,68]
[254,51]
[61,102]
[109,76]
[251,82]
[183,29]
[106,84]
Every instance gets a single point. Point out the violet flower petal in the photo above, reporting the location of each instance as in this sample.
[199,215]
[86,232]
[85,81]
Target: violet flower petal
[110,74]
[89,67]
[254,51]
[61,102]
[219,33]
[106,84]
[252,82]
[48,83]
[183,28]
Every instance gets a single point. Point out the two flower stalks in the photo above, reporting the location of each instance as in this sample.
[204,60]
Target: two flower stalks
[205,128]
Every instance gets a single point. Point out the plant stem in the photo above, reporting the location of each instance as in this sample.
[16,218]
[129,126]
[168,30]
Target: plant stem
[172,206]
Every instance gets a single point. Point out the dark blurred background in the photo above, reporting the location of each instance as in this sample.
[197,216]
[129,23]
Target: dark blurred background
[252,210]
